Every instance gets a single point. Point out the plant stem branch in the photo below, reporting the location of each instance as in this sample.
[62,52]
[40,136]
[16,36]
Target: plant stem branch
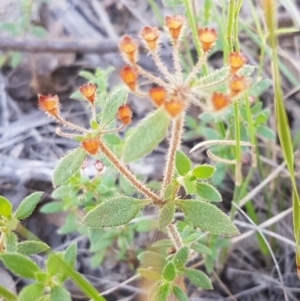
[151,77]
[196,68]
[174,235]
[161,67]
[174,145]
[71,126]
[176,61]
[128,175]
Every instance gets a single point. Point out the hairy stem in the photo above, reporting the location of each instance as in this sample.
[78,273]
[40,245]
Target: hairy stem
[196,68]
[174,235]
[176,61]
[71,125]
[161,67]
[174,145]
[128,175]
[151,77]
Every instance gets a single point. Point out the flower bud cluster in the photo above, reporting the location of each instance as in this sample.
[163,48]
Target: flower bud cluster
[171,92]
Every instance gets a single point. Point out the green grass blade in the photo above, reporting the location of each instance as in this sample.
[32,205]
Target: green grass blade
[7,295]
[282,121]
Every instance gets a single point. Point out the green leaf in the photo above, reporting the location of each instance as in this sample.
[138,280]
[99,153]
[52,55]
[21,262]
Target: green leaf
[170,190]
[146,136]
[59,293]
[68,166]
[152,259]
[207,217]
[52,264]
[189,185]
[169,271]
[166,215]
[204,171]
[30,247]
[46,297]
[52,207]
[265,132]
[39,31]
[198,278]
[5,207]
[70,224]
[61,192]
[42,277]
[259,88]
[113,101]
[31,292]
[16,59]
[262,117]
[20,265]
[71,254]
[182,163]
[161,293]
[179,293]
[202,249]
[208,193]
[149,274]
[69,257]
[163,243]
[28,205]
[10,241]
[181,257]
[79,280]
[114,212]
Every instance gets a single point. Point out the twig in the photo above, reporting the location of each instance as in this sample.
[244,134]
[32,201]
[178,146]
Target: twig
[57,45]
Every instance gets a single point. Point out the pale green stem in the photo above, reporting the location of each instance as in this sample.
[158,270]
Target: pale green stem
[230,22]
[236,25]
[238,172]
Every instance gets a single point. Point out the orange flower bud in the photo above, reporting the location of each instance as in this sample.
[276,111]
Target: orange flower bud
[129,76]
[174,107]
[220,101]
[237,85]
[129,49]
[174,24]
[236,61]
[124,114]
[49,104]
[207,37]
[88,91]
[91,145]
[158,95]
[150,36]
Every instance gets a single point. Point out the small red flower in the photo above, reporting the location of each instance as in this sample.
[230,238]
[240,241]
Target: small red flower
[49,104]
[220,101]
[91,145]
[207,37]
[174,107]
[150,36]
[237,84]
[129,77]
[88,91]
[236,61]
[174,24]
[158,95]
[124,114]
[129,49]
